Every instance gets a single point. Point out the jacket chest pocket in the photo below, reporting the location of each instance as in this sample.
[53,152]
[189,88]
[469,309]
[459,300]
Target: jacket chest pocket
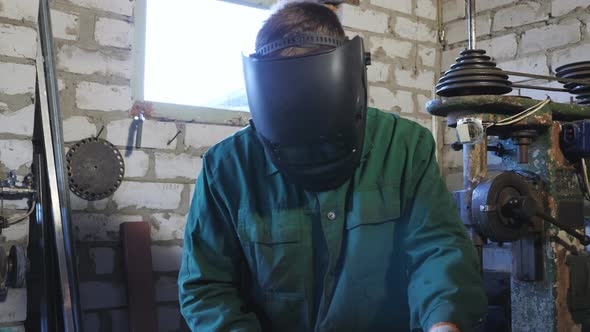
[272,243]
[373,231]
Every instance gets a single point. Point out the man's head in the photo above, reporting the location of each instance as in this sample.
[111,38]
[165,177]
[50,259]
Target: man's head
[295,17]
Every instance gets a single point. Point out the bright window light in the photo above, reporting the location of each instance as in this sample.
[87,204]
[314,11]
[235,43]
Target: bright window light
[193,52]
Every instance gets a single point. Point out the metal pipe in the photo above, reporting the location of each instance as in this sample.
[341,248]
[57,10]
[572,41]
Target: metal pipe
[548,78]
[16,191]
[471,22]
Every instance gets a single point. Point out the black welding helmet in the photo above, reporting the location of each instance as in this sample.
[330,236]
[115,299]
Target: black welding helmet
[310,110]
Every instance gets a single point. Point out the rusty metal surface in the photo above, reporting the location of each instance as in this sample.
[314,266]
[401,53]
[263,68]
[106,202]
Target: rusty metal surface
[508,105]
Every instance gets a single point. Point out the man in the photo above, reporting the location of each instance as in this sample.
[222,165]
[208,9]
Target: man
[323,215]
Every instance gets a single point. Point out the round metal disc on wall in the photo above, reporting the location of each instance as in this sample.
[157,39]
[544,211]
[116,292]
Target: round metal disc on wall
[95,168]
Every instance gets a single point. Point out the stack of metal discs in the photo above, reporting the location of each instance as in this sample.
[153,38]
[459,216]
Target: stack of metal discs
[578,71]
[474,73]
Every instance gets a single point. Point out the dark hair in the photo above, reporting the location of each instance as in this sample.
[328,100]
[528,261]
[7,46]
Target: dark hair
[299,17]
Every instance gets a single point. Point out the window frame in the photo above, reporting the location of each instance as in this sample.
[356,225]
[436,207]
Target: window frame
[177,112]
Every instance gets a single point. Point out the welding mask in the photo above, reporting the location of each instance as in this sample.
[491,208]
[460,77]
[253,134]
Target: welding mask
[310,111]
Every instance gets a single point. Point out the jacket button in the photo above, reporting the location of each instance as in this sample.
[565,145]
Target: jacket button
[331,215]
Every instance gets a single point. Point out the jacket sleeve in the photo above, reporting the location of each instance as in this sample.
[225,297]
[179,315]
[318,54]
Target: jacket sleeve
[445,284]
[209,276]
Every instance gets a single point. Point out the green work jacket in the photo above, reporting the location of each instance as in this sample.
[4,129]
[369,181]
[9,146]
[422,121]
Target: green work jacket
[386,251]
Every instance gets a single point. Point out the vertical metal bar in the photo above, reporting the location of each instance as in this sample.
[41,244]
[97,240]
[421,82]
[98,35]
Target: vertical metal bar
[58,186]
[471,21]
[475,169]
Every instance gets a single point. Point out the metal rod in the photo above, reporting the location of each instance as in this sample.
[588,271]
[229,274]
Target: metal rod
[16,191]
[471,22]
[533,87]
[53,141]
[549,78]
[584,239]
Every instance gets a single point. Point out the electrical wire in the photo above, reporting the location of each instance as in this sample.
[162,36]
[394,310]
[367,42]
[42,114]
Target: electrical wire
[520,116]
[19,218]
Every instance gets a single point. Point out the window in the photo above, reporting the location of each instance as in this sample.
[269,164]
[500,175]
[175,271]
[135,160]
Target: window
[193,52]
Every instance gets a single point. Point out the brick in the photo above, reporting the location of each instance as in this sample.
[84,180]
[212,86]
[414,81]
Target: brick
[77,203]
[561,7]
[384,99]
[16,153]
[369,20]
[400,6]
[166,289]
[18,41]
[414,79]
[116,33]
[200,135]
[99,295]
[422,101]
[166,226]
[392,48]
[17,78]
[458,31]
[519,15]
[91,322]
[451,158]
[452,10]
[77,128]
[64,25]
[136,164]
[448,58]
[14,309]
[426,9]
[99,227]
[96,96]
[166,259]
[491,4]
[378,72]
[119,320]
[165,196]
[550,36]
[569,55]
[406,28]
[427,55]
[171,166]
[19,122]
[20,10]
[169,319]
[424,122]
[79,61]
[104,260]
[114,6]
[155,133]
[532,64]
[503,47]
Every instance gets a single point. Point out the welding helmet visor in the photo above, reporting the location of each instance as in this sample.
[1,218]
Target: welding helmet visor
[310,110]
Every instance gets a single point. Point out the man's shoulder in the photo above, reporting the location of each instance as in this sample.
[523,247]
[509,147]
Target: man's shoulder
[405,131]
[233,150]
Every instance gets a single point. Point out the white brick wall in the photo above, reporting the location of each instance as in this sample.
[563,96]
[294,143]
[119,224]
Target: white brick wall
[19,122]
[561,7]
[423,80]
[116,33]
[393,48]
[118,133]
[168,226]
[79,61]
[14,309]
[18,41]
[426,9]
[569,55]
[96,295]
[100,227]
[457,31]
[518,15]
[453,9]
[200,135]
[414,30]
[136,164]
[77,128]
[17,78]
[355,17]
[550,36]
[378,72]
[20,10]
[171,166]
[115,6]
[96,96]
[399,6]
[490,4]
[104,260]
[64,25]
[427,55]
[385,100]
[502,47]
[160,196]
[166,259]
[532,64]
[16,153]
